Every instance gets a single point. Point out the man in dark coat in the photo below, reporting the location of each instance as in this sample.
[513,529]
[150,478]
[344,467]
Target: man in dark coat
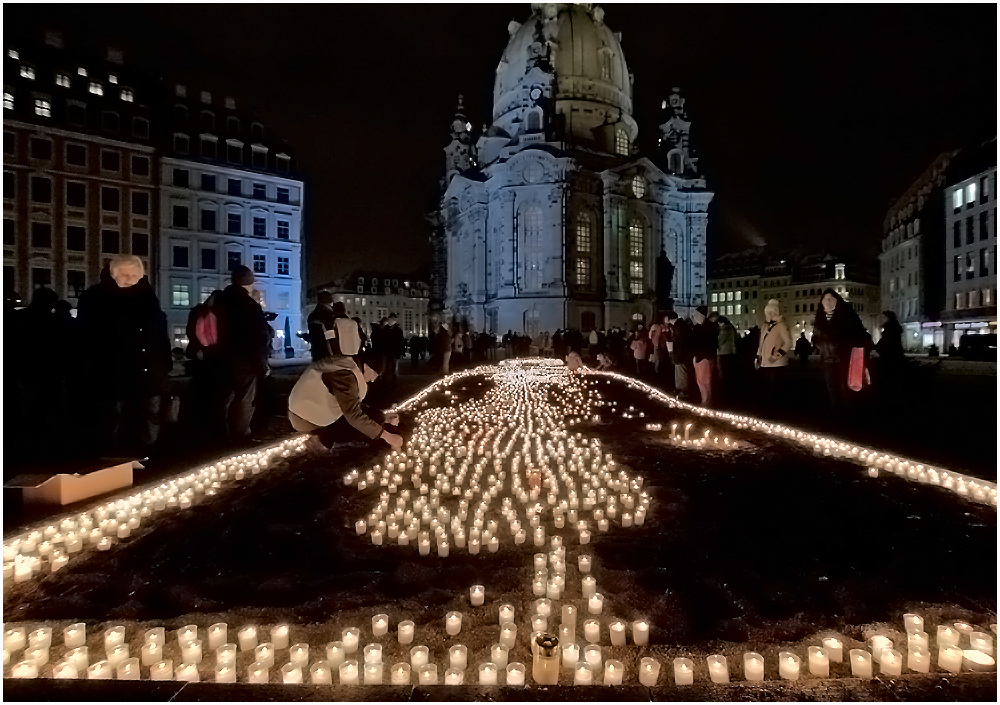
[243,348]
[393,345]
[705,350]
[125,334]
[837,330]
[680,336]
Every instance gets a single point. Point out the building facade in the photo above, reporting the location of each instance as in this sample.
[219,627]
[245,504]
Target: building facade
[551,219]
[970,214]
[373,295]
[227,198]
[910,261]
[79,169]
[742,283]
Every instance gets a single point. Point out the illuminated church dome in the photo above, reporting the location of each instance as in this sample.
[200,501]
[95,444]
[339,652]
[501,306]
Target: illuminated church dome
[566,61]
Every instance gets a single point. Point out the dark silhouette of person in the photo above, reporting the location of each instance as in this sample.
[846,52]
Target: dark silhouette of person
[205,366]
[837,330]
[803,349]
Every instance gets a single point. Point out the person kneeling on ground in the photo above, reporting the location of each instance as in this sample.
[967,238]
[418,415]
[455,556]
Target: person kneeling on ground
[574,362]
[333,385]
[604,361]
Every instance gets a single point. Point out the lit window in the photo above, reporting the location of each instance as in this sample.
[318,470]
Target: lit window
[583,243]
[959,296]
[957,199]
[639,186]
[739,309]
[729,310]
[532,232]
[13,54]
[62,79]
[635,271]
[112,78]
[606,65]
[283,268]
[839,272]
[180,294]
[729,296]
[583,272]
[739,295]
[970,194]
[127,95]
[987,297]
[715,298]
[43,107]
[635,239]
[96,88]
[28,73]
[8,100]
[621,143]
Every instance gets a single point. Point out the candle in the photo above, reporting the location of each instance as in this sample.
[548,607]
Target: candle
[718,668]
[570,655]
[41,637]
[498,655]
[405,632]
[516,673]
[373,673]
[640,632]
[186,634]
[834,648]
[913,622]
[247,636]
[891,663]
[788,665]
[592,655]
[117,654]
[878,644]
[264,654]
[918,659]
[424,545]
[507,611]
[753,666]
[947,636]
[151,653]
[226,654]
[861,663]
[950,658]
[583,563]
[162,671]
[187,672]
[584,537]
[335,653]
[538,586]
[981,641]
[225,673]
[217,635]
[592,631]
[279,636]
[399,674]
[963,628]
[487,674]
[258,673]
[453,676]
[128,670]
[115,636]
[819,662]
[539,623]
[683,671]
[595,603]
[350,637]
[583,675]
[649,671]
[99,671]
[380,625]
[79,657]
[75,635]
[360,527]
[453,623]
[613,671]
[975,660]
[458,657]
[477,595]
[299,655]
[419,656]
[349,673]
[373,653]
[320,674]
[617,631]
[25,669]
[427,674]
[589,586]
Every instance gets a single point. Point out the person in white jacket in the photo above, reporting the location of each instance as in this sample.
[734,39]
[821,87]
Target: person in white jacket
[774,350]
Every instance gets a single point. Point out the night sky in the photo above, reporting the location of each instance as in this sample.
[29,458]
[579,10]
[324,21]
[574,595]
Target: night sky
[808,119]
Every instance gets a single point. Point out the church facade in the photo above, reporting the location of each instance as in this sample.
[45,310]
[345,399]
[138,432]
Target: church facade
[551,219]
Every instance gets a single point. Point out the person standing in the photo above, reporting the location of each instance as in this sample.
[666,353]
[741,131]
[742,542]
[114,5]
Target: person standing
[243,339]
[680,336]
[837,331]
[125,332]
[726,360]
[442,346]
[205,368]
[890,352]
[803,349]
[705,351]
[394,343]
[773,351]
[639,346]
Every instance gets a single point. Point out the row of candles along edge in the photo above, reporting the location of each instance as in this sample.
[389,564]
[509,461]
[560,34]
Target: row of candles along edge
[951,657]
[24,556]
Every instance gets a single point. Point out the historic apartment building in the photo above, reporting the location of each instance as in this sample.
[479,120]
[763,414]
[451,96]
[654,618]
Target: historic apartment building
[373,295]
[551,219]
[227,197]
[743,282]
[80,173]
[970,213]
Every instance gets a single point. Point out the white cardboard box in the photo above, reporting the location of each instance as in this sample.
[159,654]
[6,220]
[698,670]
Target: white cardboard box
[68,488]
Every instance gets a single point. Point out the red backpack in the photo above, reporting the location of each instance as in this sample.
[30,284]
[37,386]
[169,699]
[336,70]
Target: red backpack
[206,328]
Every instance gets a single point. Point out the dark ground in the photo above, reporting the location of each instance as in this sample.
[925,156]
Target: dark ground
[756,549]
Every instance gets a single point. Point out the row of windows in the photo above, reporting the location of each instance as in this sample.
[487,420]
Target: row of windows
[76,194]
[75,238]
[234,187]
[40,149]
[234,152]
[730,285]
[181,291]
[234,223]
[975,298]
[76,114]
[970,231]
[62,79]
[894,283]
[895,261]
[181,259]
[207,121]
[75,280]
[966,264]
[967,196]
[727,296]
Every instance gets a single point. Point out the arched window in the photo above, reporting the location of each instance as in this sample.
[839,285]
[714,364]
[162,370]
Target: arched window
[584,230]
[582,271]
[621,143]
[638,186]
[675,162]
[534,121]
[607,65]
[636,249]
[531,226]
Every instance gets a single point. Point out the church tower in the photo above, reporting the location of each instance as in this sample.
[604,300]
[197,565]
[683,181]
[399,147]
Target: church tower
[552,218]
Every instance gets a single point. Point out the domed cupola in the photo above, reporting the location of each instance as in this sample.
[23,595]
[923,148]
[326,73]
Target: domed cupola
[566,62]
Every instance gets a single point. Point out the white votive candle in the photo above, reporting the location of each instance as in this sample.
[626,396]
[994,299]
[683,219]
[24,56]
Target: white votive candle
[570,655]
[264,654]
[834,648]
[891,663]
[753,666]
[913,622]
[187,672]
[279,636]
[299,654]
[640,632]
[918,659]
[819,661]
[427,674]
[405,632]
[508,634]
[498,655]
[718,668]
[360,526]
[217,635]
[27,669]
[258,673]
[349,673]
[372,653]
[788,665]
[75,635]
[454,676]
[878,644]
[99,671]
[419,656]
[247,637]
[977,661]
[350,636]
[592,655]
[592,631]
[225,673]
[589,586]
[65,670]
[506,611]
[981,641]
[128,670]
[226,654]
[380,625]
[477,595]
[115,636]
[487,673]
[950,658]
[649,671]
[947,636]
[582,674]
[613,672]
[373,673]
[617,631]
[186,634]
[41,637]
[117,655]
[861,663]
[320,673]
[79,657]
[683,671]
[458,657]
[399,674]
[595,603]
[335,653]
[150,653]
[453,623]
[162,671]
[516,673]
[191,651]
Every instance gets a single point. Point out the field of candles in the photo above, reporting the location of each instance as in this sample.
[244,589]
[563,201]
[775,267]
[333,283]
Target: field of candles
[658,543]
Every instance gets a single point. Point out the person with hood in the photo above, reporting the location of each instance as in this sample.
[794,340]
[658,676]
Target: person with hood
[890,351]
[244,343]
[837,331]
[125,333]
[679,343]
[334,385]
[773,351]
[205,367]
[803,349]
[704,352]
[726,360]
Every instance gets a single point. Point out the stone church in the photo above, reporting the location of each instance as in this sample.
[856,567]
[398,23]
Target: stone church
[551,219]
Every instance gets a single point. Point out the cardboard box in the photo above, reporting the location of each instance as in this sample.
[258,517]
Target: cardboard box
[67,488]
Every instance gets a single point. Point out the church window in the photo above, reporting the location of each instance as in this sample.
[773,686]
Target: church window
[582,272]
[635,244]
[638,186]
[532,227]
[533,172]
[534,121]
[533,271]
[621,143]
[606,65]
[675,162]
[635,271]
[583,241]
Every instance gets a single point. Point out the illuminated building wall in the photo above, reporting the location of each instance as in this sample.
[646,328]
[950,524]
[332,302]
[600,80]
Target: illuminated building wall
[373,295]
